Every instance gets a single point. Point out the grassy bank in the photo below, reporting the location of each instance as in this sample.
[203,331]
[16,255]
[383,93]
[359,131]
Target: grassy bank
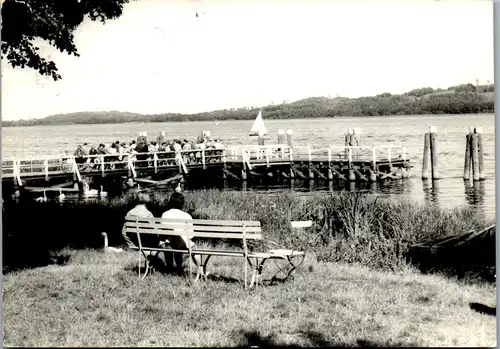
[348,227]
[97,300]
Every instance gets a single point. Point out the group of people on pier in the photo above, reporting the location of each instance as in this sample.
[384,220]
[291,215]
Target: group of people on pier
[141,151]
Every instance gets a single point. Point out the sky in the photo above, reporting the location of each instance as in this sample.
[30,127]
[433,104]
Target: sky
[158,57]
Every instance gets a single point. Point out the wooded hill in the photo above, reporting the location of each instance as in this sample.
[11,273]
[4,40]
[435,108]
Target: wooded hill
[461,99]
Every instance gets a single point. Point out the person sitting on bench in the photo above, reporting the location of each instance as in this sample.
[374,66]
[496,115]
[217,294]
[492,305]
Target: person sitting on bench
[175,211]
[140,210]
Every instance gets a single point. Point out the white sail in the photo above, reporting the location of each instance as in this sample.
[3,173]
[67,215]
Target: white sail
[258,126]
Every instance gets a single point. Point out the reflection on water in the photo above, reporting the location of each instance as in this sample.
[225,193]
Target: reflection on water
[431,191]
[448,192]
[474,192]
[445,193]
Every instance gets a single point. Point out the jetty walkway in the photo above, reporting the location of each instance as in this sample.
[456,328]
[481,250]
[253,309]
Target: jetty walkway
[245,162]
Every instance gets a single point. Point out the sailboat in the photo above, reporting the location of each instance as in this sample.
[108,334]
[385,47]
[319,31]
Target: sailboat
[258,127]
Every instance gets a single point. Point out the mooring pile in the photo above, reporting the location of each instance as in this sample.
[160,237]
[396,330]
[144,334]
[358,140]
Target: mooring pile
[474,155]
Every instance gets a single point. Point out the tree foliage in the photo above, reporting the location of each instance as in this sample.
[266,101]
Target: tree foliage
[440,102]
[54,21]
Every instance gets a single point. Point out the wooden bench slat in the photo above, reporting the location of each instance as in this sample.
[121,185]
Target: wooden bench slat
[219,253]
[195,221]
[193,227]
[250,236]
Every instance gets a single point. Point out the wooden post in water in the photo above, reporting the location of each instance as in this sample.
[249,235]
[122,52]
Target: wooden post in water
[468,155]
[480,150]
[289,137]
[427,156]
[347,140]
[434,156]
[475,155]
[281,136]
[356,132]
[261,139]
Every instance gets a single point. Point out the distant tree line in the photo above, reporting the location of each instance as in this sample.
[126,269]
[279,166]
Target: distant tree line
[461,99]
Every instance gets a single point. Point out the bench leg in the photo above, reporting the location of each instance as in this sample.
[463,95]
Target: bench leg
[202,268]
[256,272]
[147,266]
[287,270]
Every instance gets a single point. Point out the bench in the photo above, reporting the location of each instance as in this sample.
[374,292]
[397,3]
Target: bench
[214,229]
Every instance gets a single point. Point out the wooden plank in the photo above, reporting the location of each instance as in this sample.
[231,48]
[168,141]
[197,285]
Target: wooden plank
[318,172]
[360,175]
[41,189]
[206,228]
[67,184]
[297,172]
[230,174]
[163,181]
[195,221]
[256,173]
[219,253]
[191,234]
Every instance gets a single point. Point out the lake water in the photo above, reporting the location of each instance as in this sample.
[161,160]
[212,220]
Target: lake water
[448,192]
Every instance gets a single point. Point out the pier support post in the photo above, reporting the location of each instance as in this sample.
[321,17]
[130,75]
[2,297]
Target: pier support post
[468,156]
[352,175]
[426,157]
[434,153]
[330,172]
[244,165]
[224,165]
[373,175]
[404,172]
[373,172]
[311,173]
[480,151]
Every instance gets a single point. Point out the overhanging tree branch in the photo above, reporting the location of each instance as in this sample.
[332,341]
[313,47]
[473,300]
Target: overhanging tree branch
[53,21]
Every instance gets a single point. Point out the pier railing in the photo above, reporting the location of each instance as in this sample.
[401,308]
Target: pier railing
[184,159]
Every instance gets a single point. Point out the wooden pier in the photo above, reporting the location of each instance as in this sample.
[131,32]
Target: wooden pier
[241,163]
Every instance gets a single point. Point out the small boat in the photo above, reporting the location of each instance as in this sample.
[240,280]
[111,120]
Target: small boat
[258,127]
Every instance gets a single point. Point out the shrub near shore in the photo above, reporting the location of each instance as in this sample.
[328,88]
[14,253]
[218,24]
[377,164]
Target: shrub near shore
[348,227]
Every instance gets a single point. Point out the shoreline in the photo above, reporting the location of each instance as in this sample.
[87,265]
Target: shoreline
[247,119]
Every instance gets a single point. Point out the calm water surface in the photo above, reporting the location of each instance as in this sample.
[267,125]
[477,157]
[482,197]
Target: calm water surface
[448,192]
